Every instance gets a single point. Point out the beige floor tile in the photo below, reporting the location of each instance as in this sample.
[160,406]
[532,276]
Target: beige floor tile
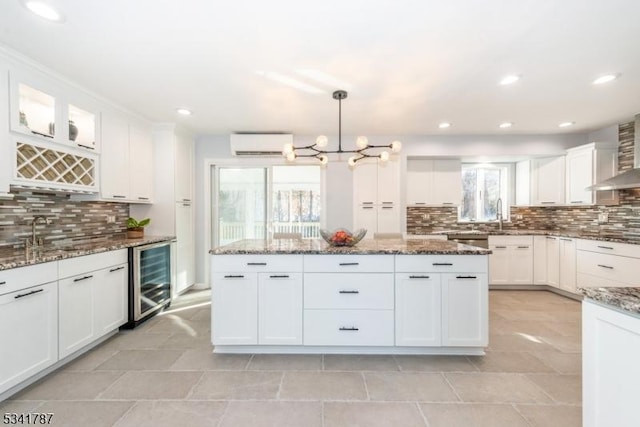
[272,414]
[323,386]
[528,327]
[562,363]
[91,359]
[372,414]
[85,413]
[285,362]
[201,314]
[567,329]
[140,360]
[509,361]
[562,388]
[496,388]
[518,342]
[237,385]
[67,385]
[152,385]
[359,362]
[187,342]
[557,415]
[171,413]
[432,363]
[472,415]
[174,324]
[19,406]
[565,315]
[525,315]
[131,340]
[565,344]
[205,360]
[409,386]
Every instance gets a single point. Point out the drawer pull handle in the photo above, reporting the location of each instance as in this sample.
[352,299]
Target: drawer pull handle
[367,207]
[256,263]
[3,283]
[367,203]
[143,198]
[186,200]
[421,203]
[523,247]
[116,196]
[551,238]
[418,277]
[279,276]
[548,203]
[28,293]
[349,329]
[387,207]
[387,203]
[348,292]
[576,201]
[41,134]
[566,240]
[80,279]
[501,247]
[116,269]
[605,266]
[466,277]
[234,276]
[349,263]
[88,147]
[442,263]
[605,247]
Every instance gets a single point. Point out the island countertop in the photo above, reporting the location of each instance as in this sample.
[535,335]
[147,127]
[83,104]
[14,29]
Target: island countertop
[624,298]
[365,247]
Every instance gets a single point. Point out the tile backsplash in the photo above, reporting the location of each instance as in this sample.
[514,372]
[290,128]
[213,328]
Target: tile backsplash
[69,219]
[624,219]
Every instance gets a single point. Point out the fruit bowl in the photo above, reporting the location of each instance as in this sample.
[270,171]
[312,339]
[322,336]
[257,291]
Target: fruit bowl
[342,236]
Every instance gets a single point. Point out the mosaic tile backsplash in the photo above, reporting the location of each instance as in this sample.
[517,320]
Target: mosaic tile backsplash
[69,219]
[624,219]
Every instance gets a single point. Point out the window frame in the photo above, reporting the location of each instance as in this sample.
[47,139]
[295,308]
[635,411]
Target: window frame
[507,191]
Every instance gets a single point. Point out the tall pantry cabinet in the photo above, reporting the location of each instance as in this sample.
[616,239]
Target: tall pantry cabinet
[172,212]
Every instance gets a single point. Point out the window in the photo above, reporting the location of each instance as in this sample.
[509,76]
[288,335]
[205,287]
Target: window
[482,186]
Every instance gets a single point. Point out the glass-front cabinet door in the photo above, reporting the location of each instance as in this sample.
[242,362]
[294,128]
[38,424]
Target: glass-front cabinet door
[36,112]
[82,127]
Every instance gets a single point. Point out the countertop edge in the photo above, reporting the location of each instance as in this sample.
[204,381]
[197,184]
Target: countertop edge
[623,299]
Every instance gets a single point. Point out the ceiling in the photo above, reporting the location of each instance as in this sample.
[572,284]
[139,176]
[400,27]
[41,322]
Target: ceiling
[408,65]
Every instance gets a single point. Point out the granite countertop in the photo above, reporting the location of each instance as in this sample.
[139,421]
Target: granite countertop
[12,258]
[626,299]
[365,247]
[605,237]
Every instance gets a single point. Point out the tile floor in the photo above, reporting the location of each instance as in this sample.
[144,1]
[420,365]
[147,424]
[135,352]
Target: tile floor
[164,374]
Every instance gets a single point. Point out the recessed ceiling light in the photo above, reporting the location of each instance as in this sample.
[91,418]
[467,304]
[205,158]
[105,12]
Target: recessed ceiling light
[605,79]
[506,125]
[507,80]
[566,124]
[183,111]
[444,125]
[44,10]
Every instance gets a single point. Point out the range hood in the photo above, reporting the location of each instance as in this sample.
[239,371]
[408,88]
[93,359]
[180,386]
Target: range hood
[630,178]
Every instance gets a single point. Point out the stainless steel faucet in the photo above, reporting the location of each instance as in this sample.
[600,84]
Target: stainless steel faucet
[34,238]
[499,216]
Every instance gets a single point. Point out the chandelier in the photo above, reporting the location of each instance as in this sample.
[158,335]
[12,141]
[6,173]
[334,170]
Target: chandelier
[317,150]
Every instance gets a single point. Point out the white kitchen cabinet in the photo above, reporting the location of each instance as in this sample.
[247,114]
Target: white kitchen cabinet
[567,262]
[610,373]
[280,308]
[367,218]
[607,264]
[365,182]
[553,261]
[234,308]
[465,317]
[541,182]
[126,170]
[376,194]
[587,165]
[388,218]
[92,298]
[418,309]
[5,149]
[185,247]
[511,262]
[539,260]
[183,168]
[434,182]
[28,332]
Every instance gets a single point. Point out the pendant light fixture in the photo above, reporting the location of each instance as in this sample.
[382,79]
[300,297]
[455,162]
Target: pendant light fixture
[317,150]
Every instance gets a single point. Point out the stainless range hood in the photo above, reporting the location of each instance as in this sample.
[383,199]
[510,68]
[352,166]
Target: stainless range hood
[630,178]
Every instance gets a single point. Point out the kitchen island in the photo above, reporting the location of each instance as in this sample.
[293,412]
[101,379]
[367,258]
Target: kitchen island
[378,297]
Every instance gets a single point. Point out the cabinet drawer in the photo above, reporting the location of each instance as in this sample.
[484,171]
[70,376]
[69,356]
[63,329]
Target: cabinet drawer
[348,327]
[584,280]
[612,248]
[15,279]
[80,265]
[610,267]
[511,241]
[348,263]
[441,263]
[348,291]
[256,263]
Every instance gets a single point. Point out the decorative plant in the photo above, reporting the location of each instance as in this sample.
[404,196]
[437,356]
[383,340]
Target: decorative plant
[133,223]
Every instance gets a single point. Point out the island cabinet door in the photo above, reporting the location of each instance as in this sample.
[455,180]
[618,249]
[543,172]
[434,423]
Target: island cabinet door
[465,317]
[418,309]
[280,308]
[234,308]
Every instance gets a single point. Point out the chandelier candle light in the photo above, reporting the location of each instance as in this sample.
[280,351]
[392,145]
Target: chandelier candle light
[317,149]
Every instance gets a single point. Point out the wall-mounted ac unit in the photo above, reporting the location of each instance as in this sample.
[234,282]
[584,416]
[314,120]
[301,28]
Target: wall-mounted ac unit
[259,144]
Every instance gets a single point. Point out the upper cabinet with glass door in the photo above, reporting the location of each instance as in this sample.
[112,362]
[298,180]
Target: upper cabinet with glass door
[42,109]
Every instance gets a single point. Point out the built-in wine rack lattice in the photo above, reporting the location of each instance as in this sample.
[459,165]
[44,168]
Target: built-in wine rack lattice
[45,164]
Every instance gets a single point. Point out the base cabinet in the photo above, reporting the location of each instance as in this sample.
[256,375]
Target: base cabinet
[610,370]
[234,302]
[511,261]
[280,308]
[465,317]
[567,273]
[28,332]
[418,310]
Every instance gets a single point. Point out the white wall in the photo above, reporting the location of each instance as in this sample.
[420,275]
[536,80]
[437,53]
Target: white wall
[608,134]
[339,182]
